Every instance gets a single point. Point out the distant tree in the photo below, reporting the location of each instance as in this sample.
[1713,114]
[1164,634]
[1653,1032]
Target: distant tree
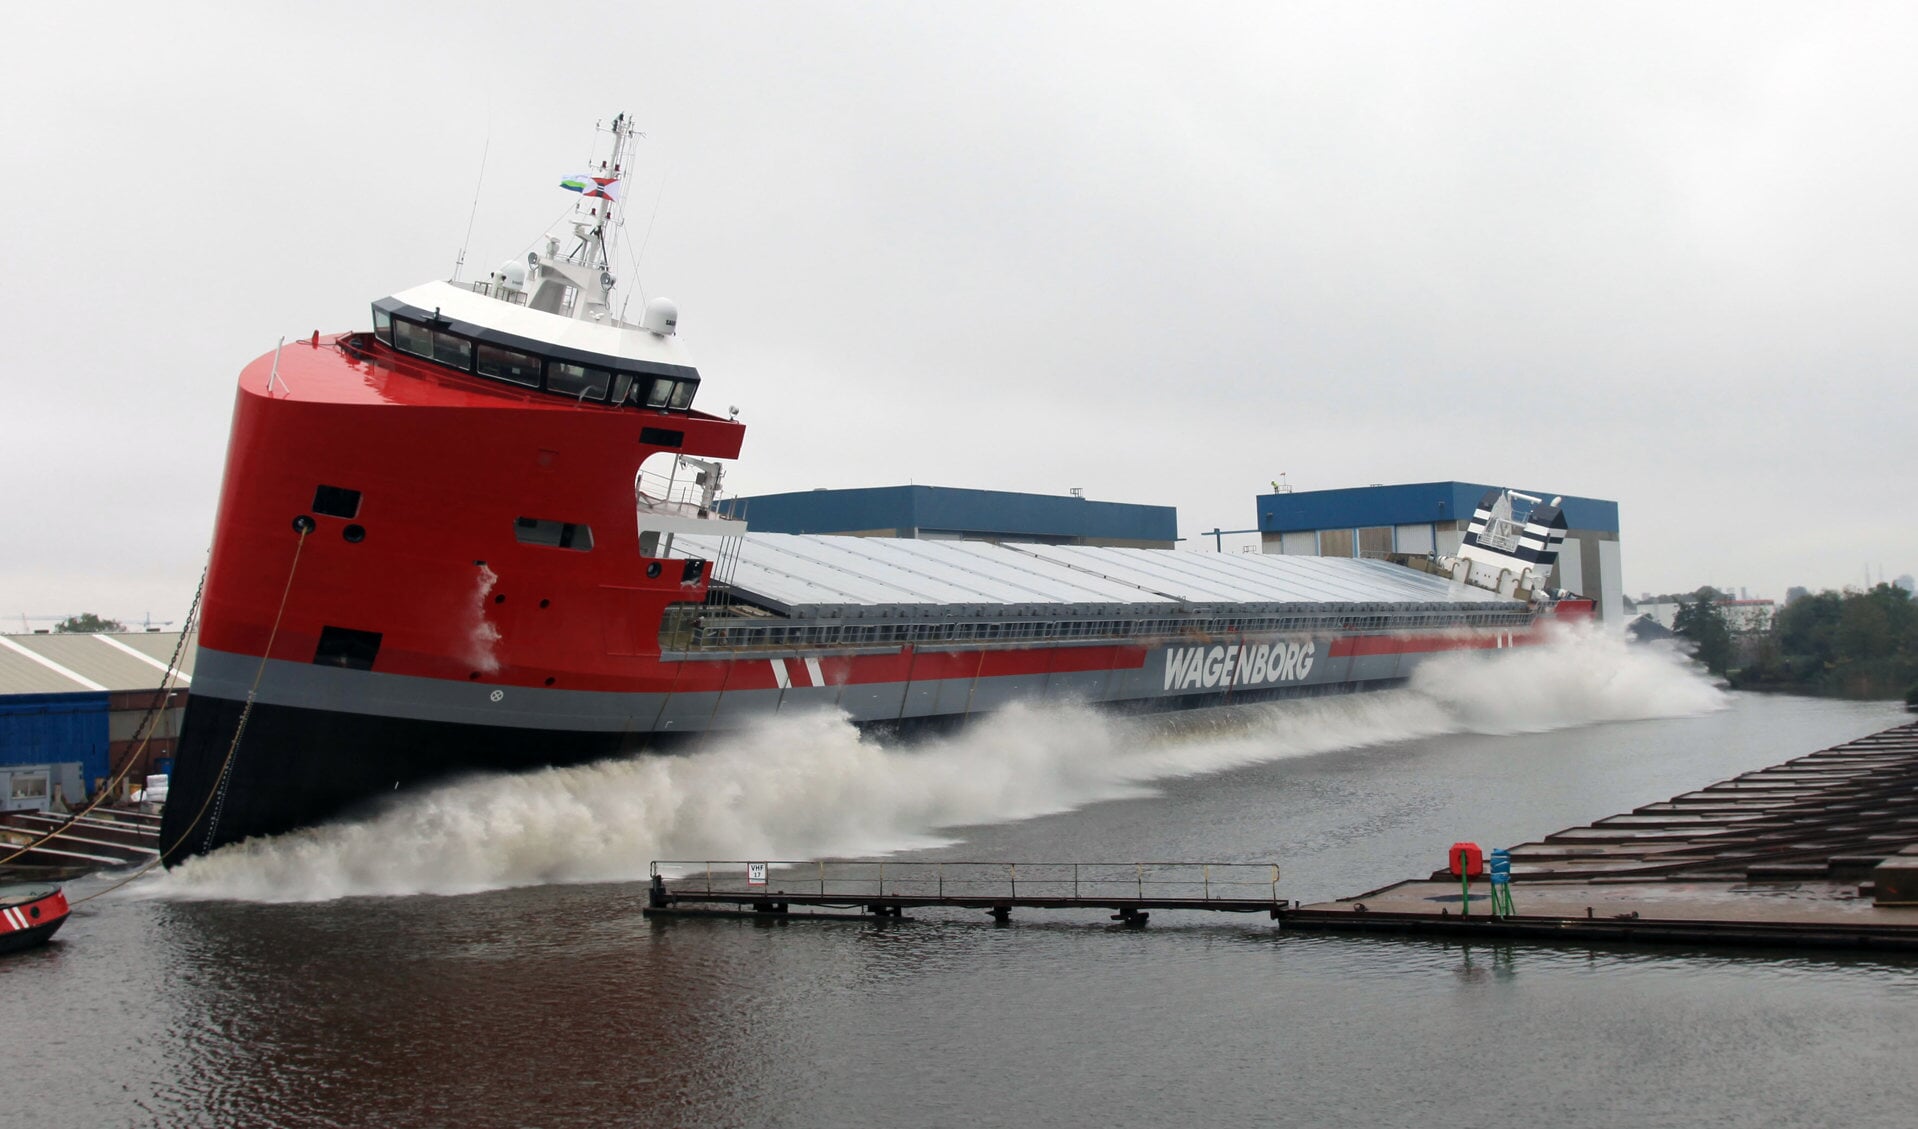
[1701,620]
[1857,644]
[1705,593]
[1807,633]
[1864,626]
[1877,641]
[87,623]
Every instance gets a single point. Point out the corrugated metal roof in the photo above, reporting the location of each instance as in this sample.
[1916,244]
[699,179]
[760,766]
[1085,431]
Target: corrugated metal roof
[74,663]
[823,575]
[792,571]
[1266,578]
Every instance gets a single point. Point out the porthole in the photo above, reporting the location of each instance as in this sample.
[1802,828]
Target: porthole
[652,571]
[354,533]
[500,599]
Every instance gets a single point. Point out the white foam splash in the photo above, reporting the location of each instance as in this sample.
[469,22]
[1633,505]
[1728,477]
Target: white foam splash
[1587,674]
[805,786]
[482,636]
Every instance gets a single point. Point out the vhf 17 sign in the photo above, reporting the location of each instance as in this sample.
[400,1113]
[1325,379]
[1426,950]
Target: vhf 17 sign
[1237,664]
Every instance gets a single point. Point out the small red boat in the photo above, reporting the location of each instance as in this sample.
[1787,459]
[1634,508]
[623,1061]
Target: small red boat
[29,915]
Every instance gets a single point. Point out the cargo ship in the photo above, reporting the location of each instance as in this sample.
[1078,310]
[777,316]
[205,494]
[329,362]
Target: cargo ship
[489,533]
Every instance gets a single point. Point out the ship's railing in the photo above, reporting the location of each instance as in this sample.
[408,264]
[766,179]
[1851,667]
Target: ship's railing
[680,491]
[1094,882]
[678,506]
[486,289]
[707,627]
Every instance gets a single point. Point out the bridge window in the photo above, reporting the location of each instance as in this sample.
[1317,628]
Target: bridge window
[577,380]
[474,350]
[435,345]
[508,364]
[553,534]
[452,350]
[412,337]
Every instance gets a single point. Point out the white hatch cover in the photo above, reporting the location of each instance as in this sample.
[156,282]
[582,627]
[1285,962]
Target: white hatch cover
[810,575]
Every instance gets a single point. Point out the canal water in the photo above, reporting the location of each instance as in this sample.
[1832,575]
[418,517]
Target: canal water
[476,955]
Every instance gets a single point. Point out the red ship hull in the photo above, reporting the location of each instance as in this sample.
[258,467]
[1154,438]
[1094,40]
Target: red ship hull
[374,618]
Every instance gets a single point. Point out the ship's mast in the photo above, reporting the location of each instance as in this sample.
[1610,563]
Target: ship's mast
[596,220]
[579,282]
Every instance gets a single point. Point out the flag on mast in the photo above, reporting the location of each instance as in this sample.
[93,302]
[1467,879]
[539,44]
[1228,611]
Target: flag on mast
[599,187]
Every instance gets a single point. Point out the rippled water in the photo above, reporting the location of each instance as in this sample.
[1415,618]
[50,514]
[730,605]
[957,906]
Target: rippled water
[193,1001]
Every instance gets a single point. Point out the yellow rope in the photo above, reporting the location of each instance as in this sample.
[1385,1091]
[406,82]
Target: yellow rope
[232,748]
[146,730]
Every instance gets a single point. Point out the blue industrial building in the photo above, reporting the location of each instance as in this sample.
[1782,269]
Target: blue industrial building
[1424,518]
[75,709]
[39,733]
[947,513]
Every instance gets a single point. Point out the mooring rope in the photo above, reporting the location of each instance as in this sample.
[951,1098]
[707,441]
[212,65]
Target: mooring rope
[144,729]
[233,747]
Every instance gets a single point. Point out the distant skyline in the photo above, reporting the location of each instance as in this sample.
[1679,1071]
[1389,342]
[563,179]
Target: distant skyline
[1650,253]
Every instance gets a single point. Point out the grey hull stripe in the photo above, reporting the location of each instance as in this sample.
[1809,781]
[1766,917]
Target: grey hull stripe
[308,686]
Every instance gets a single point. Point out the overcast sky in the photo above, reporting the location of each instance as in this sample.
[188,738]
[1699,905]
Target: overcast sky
[1660,254]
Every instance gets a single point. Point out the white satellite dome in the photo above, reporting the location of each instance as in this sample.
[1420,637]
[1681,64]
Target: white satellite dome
[662,317]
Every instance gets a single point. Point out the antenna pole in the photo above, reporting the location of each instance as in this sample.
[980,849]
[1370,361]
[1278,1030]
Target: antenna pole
[460,262]
[615,167]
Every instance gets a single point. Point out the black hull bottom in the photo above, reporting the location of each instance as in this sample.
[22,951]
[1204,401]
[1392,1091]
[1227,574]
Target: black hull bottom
[297,767]
[28,938]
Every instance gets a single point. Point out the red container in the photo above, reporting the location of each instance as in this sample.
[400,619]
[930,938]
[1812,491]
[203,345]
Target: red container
[1467,860]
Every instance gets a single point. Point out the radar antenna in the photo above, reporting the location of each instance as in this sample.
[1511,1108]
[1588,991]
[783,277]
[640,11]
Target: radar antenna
[596,218]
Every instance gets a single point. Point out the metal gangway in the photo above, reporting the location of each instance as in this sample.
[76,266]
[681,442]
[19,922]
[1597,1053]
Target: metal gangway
[886,889]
